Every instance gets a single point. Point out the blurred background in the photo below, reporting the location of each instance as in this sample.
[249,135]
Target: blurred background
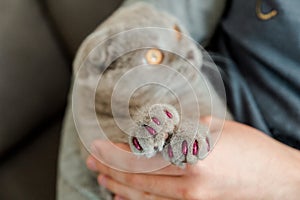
[38,40]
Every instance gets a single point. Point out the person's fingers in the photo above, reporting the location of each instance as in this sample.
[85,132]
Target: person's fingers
[117,197]
[206,119]
[124,192]
[215,126]
[170,170]
[118,156]
[213,123]
[117,188]
[155,184]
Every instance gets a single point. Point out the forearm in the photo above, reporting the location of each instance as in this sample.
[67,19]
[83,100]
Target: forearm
[280,170]
[290,174]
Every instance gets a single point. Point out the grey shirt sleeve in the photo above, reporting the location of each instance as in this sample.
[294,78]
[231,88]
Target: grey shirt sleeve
[200,17]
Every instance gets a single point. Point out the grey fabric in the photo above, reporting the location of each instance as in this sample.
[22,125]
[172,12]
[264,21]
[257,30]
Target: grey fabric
[34,77]
[266,61]
[29,171]
[200,17]
[75,181]
[75,19]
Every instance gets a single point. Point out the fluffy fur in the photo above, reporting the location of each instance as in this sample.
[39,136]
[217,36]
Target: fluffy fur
[104,53]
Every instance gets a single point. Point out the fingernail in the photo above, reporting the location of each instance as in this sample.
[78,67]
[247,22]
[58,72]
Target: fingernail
[91,164]
[102,180]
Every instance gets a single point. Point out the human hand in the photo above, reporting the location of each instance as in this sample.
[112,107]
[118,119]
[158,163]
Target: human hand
[245,164]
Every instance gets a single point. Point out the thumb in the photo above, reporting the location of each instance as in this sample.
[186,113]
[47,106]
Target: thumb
[215,126]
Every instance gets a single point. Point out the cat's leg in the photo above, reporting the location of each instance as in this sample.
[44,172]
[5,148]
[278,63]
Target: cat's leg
[155,124]
[188,144]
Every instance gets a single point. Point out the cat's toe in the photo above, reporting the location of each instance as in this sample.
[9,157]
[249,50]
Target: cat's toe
[146,141]
[188,144]
[155,123]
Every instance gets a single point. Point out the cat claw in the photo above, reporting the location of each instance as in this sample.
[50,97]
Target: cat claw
[159,130]
[155,124]
[189,144]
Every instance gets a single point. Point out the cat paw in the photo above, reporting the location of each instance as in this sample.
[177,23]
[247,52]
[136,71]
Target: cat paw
[155,124]
[188,144]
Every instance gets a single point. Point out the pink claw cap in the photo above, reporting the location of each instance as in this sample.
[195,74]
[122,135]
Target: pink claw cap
[155,120]
[150,130]
[136,144]
[169,114]
[184,147]
[195,147]
[170,151]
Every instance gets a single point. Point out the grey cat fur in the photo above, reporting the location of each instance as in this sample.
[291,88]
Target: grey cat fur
[91,60]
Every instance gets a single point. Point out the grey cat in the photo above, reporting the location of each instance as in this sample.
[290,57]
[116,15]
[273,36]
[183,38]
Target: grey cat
[153,118]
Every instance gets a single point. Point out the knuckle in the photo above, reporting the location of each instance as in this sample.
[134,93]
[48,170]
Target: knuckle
[148,196]
[189,193]
[127,179]
[130,179]
[109,171]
